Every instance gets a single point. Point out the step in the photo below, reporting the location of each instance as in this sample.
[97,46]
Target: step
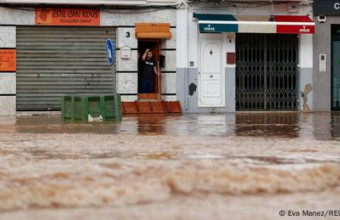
[155,107]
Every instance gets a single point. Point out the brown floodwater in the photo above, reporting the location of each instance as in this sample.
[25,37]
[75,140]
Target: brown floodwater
[319,126]
[190,167]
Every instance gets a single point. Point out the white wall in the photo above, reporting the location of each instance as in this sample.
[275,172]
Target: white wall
[306,51]
[182,38]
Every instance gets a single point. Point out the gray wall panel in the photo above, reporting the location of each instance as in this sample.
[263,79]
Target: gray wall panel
[189,103]
[322,81]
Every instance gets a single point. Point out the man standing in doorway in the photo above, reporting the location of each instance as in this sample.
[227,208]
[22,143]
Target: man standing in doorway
[148,71]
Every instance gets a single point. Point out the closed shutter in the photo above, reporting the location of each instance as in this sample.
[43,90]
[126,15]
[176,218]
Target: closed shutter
[267,75]
[57,61]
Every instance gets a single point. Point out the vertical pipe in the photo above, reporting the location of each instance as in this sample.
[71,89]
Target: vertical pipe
[114,79]
[297,71]
[187,62]
[265,73]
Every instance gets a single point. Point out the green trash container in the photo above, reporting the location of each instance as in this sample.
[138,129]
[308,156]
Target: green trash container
[78,108]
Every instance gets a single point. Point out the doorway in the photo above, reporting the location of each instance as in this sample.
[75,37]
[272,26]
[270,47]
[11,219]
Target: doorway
[154,45]
[335,97]
[211,76]
[267,72]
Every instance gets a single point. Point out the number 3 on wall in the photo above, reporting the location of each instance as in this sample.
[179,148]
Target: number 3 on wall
[127,34]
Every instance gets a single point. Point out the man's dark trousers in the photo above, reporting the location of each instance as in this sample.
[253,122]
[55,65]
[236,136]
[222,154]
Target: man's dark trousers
[147,85]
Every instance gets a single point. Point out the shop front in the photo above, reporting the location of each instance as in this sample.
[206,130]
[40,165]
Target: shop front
[250,62]
[51,51]
[326,55]
[267,58]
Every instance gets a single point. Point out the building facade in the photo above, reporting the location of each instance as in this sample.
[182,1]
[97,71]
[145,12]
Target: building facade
[53,48]
[326,55]
[214,56]
[245,56]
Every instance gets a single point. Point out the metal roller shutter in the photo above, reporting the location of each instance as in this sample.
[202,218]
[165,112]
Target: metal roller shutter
[267,75]
[57,61]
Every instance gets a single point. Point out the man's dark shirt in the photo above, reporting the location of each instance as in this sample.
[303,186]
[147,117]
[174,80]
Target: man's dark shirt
[148,68]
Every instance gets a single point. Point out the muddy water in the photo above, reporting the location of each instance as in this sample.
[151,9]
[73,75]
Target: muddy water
[55,170]
[320,126]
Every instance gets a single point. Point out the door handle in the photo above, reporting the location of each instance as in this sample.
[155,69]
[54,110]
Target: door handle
[211,76]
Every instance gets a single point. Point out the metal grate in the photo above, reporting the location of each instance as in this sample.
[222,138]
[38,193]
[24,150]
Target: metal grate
[266,72]
[57,61]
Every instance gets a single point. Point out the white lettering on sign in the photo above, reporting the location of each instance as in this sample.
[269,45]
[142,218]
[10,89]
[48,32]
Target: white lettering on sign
[209,28]
[337,6]
[304,29]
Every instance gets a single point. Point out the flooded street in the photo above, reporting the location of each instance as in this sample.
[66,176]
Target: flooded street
[185,167]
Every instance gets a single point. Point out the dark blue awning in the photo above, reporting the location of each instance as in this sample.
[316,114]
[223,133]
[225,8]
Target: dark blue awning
[207,24]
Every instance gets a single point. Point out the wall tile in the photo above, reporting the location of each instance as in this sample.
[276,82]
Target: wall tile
[169,83]
[7,105]
[170,43]
[126,64]
[126,37]
[170,60]
[169,98]
[7,37]
[7,83]
[17,17]
[127,83]
[128,98]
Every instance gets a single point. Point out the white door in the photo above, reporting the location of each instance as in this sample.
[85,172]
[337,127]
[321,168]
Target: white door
[211,77]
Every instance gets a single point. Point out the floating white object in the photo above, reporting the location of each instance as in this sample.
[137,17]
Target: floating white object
[95,119]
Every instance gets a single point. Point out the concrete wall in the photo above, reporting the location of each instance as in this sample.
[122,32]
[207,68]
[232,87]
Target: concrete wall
[188,65]
[7,79]
[306,73]
[124,21]
[188,58]
[322,81]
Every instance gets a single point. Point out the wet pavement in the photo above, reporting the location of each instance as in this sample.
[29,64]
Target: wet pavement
[237,166]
